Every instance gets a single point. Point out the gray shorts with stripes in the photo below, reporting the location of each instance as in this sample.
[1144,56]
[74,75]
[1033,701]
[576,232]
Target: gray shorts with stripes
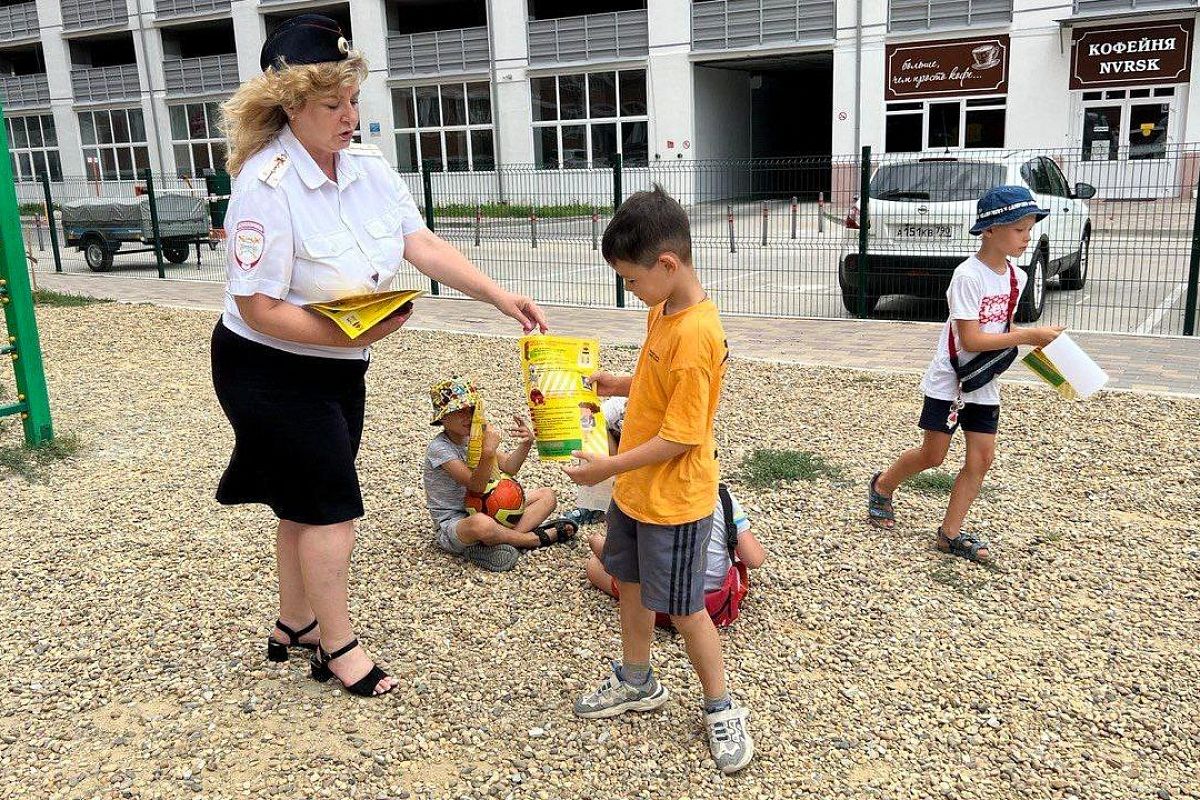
[667,560]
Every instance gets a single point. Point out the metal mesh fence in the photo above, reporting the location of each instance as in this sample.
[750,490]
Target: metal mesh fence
[770,237]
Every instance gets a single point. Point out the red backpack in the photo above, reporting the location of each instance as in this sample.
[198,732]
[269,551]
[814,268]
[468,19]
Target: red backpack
[723,603]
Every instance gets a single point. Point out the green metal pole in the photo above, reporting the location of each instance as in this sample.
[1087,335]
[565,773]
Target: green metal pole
[427,183]
[618,198]
[864,222]
[22,347]
[149,178]
[1189,309]
[53,223]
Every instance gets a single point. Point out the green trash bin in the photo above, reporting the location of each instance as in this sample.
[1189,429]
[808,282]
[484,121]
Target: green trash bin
[217,184]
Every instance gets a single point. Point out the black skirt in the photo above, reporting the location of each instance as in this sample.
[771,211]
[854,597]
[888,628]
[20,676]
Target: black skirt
[297,423]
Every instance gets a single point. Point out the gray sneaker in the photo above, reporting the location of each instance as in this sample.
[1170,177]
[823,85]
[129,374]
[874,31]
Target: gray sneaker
[615,697]
[493,558]
[728,739]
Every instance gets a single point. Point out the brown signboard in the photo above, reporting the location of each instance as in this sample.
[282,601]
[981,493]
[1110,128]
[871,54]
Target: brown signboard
[947,68]
[1132,55]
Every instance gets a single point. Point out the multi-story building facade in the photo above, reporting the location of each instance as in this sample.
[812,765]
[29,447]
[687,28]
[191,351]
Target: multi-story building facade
[105,87]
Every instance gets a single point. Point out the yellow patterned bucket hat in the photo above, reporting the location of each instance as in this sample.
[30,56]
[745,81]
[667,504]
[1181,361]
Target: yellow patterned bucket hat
[450,396]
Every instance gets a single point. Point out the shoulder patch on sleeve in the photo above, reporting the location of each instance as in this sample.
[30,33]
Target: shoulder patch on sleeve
[274,171]
[249,241]
[364,150]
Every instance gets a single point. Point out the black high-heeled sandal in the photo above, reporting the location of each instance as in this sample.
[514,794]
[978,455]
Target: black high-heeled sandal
[278,651]
[363,687]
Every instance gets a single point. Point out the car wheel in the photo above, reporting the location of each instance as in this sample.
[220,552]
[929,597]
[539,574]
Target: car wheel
[850,301]
[175,252]
[1076,276]
[98,257]
[1033,299]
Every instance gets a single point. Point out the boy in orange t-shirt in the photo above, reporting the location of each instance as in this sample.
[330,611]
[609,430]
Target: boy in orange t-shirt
[666,472]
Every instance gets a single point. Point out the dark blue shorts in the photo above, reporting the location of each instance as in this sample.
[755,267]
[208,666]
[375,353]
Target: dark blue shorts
[973,417]
[667,560]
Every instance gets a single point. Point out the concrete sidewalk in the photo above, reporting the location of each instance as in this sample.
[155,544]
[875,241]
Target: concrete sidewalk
[1163,365]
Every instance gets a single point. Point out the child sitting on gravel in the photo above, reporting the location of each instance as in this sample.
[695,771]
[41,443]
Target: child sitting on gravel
[732,548]
[478,537]
[983,297]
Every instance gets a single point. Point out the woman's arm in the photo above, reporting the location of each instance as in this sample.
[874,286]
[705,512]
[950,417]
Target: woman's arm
[440,260]
[292,323]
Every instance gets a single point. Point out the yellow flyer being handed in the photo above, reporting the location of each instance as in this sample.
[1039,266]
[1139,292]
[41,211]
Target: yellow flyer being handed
[357,314]
[565,410]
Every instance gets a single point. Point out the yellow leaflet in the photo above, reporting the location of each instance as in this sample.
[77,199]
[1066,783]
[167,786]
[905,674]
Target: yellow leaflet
[360,313]
[565,411]
[475,445]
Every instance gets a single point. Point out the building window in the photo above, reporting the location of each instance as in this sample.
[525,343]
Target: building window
[33,148]
[114,143]
[970,123]
[585,120]
[447,126]
[197,140]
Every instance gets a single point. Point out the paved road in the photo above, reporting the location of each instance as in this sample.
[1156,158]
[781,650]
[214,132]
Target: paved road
[1157,364]
[1137,281]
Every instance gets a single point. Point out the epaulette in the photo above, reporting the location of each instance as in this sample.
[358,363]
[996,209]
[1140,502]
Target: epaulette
[275,169]
[358,149]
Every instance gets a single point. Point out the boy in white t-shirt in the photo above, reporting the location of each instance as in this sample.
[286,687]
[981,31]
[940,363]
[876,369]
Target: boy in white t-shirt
[983,296]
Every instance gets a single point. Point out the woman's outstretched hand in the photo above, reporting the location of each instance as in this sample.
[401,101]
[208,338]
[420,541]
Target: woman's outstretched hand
[524,311]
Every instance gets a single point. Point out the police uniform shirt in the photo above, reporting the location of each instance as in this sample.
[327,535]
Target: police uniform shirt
[295,235]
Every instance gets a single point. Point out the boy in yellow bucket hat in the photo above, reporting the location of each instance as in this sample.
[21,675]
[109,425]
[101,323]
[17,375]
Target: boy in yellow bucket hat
[479,538]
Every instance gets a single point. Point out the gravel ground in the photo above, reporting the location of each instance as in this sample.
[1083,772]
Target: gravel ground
[876,668]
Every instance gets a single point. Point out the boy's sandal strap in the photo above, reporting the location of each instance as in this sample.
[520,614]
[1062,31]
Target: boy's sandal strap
[964,545]
[294,636]
[879,506]
[544,539]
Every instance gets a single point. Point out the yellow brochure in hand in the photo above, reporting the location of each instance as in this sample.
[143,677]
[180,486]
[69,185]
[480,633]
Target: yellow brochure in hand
[360,313]
[565,410]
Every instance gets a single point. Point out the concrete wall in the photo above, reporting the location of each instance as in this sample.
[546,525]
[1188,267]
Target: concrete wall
[722,101]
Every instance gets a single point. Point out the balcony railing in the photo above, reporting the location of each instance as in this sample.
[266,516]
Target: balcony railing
[439,52]
[203,75]
[183,8]
[78,14]
[594,37]
[914,15]
[18,22]
[100,84]
[21,91]
[1110,6]
[738,24]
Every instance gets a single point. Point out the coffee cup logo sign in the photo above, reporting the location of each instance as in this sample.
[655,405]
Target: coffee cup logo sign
[947,68]
[1132,55]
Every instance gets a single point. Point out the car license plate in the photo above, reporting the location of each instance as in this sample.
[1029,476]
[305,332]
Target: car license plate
[922,232]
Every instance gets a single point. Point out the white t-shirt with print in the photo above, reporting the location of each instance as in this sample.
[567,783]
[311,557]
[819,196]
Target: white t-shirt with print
[295,235]
[976,292]
[717,561]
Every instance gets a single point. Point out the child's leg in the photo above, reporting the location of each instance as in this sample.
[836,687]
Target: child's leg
[539,504]
[597,544]
[637,625]
[931,453]
[482,529]
[981,451]
[704,650]
[598,577]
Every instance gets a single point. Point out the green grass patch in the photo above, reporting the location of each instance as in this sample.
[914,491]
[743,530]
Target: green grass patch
[28,462]
[507,211]
[49,297]
[771,467]
[936,482]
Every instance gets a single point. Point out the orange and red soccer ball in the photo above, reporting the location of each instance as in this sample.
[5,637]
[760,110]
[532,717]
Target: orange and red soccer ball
[503,500]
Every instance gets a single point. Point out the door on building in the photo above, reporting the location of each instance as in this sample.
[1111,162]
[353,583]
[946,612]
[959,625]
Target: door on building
[1126,141]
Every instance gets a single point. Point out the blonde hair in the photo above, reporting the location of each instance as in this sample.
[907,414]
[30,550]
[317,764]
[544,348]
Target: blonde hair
[256,112]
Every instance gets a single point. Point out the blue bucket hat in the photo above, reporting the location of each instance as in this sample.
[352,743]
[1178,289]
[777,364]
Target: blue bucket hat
[1003,205]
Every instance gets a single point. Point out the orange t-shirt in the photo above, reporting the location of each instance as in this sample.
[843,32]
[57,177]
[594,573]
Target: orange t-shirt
[674,394]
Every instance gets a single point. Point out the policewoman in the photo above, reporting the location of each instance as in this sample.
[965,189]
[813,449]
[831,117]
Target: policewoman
[313,217]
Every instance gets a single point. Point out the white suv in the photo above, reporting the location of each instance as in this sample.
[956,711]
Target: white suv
[921,211]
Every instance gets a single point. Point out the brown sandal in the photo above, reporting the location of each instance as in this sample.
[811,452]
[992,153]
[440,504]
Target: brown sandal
[964,546]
